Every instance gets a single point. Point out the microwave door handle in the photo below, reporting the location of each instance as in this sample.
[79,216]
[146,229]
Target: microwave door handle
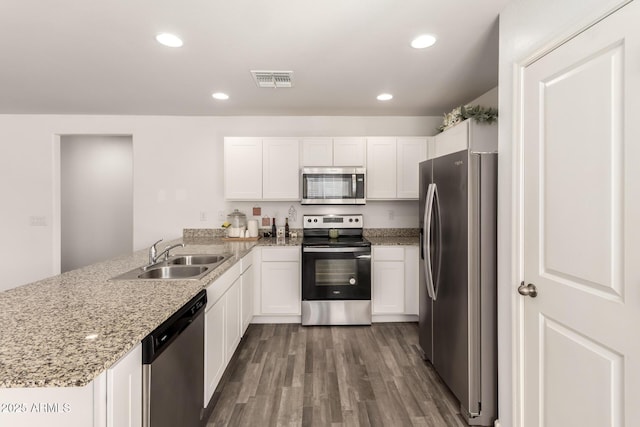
[354,185]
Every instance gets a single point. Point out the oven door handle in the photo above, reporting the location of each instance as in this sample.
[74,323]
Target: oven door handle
[327,249]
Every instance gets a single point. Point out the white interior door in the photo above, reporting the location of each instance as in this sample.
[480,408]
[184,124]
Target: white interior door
[582,229]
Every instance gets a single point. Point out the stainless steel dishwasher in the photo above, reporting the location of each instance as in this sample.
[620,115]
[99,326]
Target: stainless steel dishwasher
[173,368]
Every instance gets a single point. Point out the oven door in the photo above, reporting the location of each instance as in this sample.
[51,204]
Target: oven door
[330,273]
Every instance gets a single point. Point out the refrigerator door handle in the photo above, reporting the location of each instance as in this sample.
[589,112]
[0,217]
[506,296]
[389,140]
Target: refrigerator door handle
[428,213]
[435,268]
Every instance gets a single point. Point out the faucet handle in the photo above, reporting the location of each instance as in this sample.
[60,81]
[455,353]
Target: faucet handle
[153,251]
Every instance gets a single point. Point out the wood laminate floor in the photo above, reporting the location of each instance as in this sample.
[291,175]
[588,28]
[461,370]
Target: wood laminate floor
[290,375]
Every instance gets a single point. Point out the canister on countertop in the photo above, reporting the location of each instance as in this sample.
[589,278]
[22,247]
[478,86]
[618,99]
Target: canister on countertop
[238,222]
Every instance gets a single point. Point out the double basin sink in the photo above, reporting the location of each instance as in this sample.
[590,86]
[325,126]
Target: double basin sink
[176,267]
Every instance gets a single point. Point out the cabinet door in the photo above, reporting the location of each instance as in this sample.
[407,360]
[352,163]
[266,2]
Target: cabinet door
[243,168]
[411,279]
[214,347]
[381,168]
[317,152]
[247,297]
[232,319]
[410,152]
[280,288]
[349,151]
[388,284]
[453,139]
[281,169]
[388,287]
[124,391]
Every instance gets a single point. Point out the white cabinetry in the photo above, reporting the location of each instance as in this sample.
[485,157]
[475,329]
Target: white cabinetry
[246,296]
[243,168]
[113,399]
[214,346]
[411,279]
[381,168]
[392,166]
[279,290]
[124,391]
[480,137]
[344,151]
[388,293]
[394,283]
[221,326]
[317,152]
[410,152]
[280,169]
[228,314]
[261,168]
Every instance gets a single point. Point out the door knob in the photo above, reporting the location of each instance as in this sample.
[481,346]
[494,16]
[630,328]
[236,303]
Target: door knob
[528,290]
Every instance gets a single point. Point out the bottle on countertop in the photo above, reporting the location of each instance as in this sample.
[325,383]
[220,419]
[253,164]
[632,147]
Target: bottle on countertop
[273,228]
[286,227]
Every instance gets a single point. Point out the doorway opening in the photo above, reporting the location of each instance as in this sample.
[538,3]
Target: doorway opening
[96,199]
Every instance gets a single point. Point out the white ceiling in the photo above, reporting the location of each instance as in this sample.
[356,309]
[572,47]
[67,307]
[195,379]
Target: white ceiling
[101,57]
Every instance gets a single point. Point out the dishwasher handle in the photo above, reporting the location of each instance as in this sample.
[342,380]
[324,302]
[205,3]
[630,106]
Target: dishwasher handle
[158,340]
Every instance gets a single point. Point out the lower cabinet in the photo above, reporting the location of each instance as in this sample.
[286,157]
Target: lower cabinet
[280,281]
[214,347]
[229,311]
[388,292]
[247,297]
[394,282]
[113,399]
[124,391]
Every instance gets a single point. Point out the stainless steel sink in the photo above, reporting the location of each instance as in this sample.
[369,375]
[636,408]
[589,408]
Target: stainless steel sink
[178,267]
[195,259]
[173,272]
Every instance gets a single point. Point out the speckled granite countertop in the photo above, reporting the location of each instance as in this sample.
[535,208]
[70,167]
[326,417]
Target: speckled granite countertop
[44,325]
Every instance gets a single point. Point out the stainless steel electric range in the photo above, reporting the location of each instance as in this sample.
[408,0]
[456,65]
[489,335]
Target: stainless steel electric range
[336,271]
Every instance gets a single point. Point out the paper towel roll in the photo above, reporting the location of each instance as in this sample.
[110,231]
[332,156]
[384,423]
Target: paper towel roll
[252,227]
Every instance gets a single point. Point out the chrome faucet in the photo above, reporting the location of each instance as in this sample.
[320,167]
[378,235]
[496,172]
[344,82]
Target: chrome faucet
[154,256]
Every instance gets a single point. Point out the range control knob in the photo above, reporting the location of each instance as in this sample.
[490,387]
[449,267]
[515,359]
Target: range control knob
[315,219]
[350,219]
[352,281]
[308,219]
[357,219]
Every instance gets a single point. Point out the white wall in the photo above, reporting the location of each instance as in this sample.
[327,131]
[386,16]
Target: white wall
[487,99]
[528,28]
[177,174]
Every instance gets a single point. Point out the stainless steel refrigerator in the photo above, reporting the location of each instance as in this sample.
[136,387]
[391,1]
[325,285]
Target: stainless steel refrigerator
[458,278]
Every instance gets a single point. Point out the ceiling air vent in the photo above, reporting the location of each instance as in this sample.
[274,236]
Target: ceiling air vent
[273,79]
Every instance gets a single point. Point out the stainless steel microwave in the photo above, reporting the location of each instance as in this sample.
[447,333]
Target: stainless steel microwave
[333,186]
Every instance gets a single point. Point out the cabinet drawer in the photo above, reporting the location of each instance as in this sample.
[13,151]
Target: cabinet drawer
[388,253]
[281,254]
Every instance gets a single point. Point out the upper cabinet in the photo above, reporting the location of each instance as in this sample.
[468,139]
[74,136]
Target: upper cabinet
[280,169]
[479,137]
[243,168]
[261,168]
[269,168]
[392,166]
[345,151]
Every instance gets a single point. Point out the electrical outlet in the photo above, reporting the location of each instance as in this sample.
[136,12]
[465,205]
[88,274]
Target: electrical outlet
[203,216]
[221,216]
[392,215]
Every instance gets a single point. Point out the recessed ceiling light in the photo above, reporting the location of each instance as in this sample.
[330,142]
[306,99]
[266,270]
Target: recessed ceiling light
[221,96]
[423,41]
[170,40]
[384,97]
